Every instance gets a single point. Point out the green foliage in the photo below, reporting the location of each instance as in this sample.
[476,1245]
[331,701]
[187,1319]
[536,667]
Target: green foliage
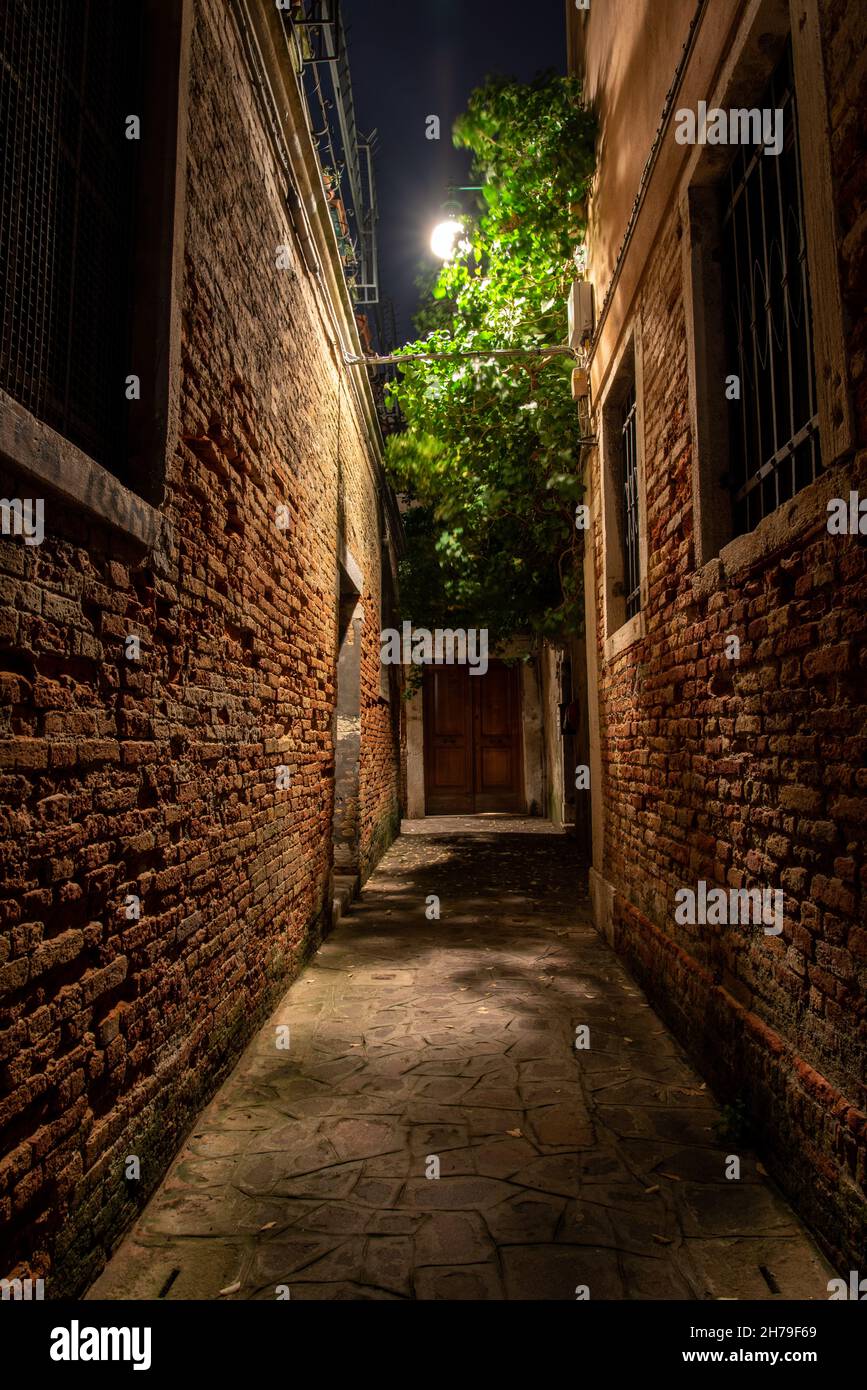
[735,1124]
[490,455]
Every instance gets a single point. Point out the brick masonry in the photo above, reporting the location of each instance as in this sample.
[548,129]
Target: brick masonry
[752,773]
[156,777]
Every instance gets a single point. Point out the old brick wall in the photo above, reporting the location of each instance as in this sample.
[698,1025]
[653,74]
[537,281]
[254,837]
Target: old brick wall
[751,773]
[379,782]
[156,777]
[379,772]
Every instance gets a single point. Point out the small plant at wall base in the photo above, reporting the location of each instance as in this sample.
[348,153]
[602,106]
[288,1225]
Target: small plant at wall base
[490,454]
[735,1123]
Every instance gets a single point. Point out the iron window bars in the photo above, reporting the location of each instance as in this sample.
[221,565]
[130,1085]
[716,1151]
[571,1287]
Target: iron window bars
[71,73]
[774,437]
[629,455]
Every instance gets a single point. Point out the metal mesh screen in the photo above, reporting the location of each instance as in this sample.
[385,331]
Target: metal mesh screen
[70,73]
[775,426]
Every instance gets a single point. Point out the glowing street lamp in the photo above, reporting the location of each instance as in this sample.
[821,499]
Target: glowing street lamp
[445,238]
[448,235]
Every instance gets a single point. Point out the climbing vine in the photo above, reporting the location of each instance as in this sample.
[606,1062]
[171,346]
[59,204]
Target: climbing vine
[489,458]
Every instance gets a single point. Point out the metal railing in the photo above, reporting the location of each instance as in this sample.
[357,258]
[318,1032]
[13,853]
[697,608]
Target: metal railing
[346,156]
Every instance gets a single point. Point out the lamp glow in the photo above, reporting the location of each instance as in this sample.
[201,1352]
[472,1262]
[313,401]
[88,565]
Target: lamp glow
[445,238]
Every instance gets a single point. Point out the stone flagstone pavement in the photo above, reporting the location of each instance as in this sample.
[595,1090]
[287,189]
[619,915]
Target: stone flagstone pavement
[413,1038]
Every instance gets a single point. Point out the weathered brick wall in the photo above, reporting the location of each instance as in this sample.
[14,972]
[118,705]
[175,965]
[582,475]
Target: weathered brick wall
[157,777]
[379,773]
[379,782]
[751,772]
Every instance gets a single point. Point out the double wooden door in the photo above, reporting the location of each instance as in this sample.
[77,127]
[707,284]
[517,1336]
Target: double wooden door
[472,743]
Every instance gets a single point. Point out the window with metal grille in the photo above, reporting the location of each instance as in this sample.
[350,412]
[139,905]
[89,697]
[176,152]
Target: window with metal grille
[70,73]
[775,425]
[631,562]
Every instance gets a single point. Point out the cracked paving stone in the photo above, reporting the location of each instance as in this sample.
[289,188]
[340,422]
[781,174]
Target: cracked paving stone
[327,1182]
[434,1138]
[377,1192]
[284,1137]
[495,1122]
[204,1172]
[276,1259]
[388,1264]
[390,1165]
[219,1214]
[636,1231]
[393,1223]
[338,1262]
[493,1098]
[429,1113]
[466,1283]
[457,1067]
[558,1173]
[338,1220]
[363,1138]
[217,1145]
[527,1218]
[453,1238]
[562,1126]
[584,1223]
[446,1089]
[624,1195]
[455,1193]
[453,1163]
[264,1173]
[504,1157]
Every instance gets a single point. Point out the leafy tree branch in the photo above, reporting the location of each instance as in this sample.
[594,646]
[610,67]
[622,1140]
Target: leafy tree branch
[489,459]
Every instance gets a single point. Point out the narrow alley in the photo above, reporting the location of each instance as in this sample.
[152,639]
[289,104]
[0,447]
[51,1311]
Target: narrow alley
[564,1172]
[433,636]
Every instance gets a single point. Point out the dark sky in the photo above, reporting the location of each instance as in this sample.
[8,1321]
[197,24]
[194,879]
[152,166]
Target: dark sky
[414,58]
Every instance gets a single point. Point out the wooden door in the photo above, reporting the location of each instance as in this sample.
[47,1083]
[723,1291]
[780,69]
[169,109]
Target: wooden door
[472,743]
[448,740]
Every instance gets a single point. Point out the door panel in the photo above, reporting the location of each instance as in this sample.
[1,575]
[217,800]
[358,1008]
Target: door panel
[497,739]
[472,727]
[448,754]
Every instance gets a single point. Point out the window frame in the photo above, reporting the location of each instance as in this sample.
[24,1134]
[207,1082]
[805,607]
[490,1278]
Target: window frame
[626,376]
[750,62]
[754,181]
[129,504]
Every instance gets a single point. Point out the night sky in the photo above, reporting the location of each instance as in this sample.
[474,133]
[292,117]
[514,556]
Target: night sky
[414,58]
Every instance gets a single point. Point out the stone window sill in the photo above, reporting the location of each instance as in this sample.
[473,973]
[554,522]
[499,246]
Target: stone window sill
[38,450]
[631,631]
[779,531]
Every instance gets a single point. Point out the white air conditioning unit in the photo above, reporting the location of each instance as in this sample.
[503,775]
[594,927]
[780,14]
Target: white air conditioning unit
[580,314]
